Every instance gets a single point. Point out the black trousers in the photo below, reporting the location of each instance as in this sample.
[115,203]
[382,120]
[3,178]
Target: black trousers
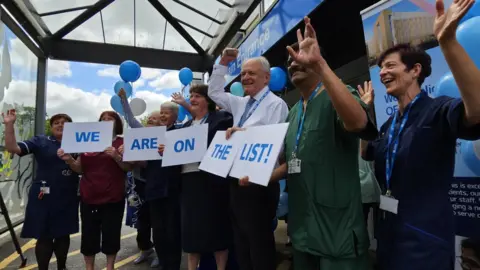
[144,226]
[253,210]
[165,218]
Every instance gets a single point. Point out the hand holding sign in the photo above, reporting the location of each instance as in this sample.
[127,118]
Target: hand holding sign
[61,154]
[121,150]
[161,148]
[244,181]
[231,130]
[112,152]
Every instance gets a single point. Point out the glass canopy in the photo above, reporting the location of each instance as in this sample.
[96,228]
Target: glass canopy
[138,22]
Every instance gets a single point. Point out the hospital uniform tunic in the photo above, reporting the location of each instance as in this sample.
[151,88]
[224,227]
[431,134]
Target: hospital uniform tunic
[325,218]
[422,235]
[56,214]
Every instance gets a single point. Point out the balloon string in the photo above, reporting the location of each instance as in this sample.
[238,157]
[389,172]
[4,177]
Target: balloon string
[183,90]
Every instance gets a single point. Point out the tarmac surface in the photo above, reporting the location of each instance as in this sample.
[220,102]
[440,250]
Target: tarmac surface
[9,259]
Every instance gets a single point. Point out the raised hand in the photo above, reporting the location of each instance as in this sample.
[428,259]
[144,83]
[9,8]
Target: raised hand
[309,50]
[367,94]
[10,117]
[179,99]
[122,94]
[228,55]
[446,21]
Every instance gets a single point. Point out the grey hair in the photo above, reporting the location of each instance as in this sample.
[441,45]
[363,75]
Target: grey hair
[170,106]
[263,62]
[154,112]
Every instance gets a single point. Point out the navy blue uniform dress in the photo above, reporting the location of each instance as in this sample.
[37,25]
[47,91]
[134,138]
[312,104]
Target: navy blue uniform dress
[422,235]
[56,214]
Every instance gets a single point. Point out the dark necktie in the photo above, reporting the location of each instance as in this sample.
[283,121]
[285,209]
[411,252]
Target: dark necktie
[244,118]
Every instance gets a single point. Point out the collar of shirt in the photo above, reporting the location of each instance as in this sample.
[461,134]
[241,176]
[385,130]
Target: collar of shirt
[260,94]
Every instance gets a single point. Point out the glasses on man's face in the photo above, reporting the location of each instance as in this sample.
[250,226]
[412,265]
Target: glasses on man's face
[467,263]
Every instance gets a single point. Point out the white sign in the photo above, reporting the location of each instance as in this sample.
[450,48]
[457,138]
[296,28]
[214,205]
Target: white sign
[142,143]
[185,145]
[258,154]
[87,137]
[221,153]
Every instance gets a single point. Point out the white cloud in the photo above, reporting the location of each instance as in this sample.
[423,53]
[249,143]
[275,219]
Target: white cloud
[139,83]
[80,105]
[58,68]
[167,80]
[109,72]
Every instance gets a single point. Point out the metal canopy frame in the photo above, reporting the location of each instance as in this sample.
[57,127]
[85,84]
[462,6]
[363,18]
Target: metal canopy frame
[54,45]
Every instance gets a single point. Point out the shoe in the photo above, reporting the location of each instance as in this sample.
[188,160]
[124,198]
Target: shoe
[143,256]
[155,263]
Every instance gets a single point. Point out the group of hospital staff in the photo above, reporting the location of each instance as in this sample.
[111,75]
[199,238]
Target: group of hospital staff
[199,213]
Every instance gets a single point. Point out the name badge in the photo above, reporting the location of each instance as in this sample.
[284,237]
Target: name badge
[388,203]
[45,190]
[294,166]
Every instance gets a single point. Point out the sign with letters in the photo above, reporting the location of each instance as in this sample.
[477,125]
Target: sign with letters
[258,153]
[222,152]
[185,145]
[87,137]
[142,143]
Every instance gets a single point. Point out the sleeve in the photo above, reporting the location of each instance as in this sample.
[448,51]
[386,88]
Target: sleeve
[279,113]
[369,153]
[370,131]
[216,89]
[453,113]
[30,146]
[129,117]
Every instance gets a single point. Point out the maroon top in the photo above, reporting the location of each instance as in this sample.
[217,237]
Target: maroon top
[103,181]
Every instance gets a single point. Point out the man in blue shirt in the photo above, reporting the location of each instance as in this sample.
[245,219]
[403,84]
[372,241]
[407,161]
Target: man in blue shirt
[415,154]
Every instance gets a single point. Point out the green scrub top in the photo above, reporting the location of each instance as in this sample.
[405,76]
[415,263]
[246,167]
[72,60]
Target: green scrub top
[325,208]
[368,182]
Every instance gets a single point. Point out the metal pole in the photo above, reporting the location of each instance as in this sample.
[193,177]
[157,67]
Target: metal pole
[4,210]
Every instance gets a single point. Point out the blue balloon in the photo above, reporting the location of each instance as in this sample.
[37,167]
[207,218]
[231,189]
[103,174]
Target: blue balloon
[282,208]
[236,89]
[474,11]
[185,75]
[278,79]
[182,113]
[469,157]
[116,103]
[447,86]
[130,71]
[467,35]
[125,85]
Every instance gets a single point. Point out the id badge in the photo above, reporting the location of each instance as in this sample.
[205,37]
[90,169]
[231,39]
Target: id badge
[294,166]
[389,203]
[45,190]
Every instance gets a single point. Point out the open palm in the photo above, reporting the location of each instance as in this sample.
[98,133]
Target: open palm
[446,21]
[366,93]
[10,117]
[309,50]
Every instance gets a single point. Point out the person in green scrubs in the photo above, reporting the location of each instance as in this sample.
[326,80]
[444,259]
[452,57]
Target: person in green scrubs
[321,152]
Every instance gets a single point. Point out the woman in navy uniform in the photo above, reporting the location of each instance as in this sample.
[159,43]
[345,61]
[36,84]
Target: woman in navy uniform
[52,208]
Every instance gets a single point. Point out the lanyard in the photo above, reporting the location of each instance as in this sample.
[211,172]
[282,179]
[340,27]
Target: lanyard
[301,117]
[390,160]
[203,119]
[254,107]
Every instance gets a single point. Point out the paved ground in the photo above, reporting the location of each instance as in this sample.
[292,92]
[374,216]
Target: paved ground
[9,259]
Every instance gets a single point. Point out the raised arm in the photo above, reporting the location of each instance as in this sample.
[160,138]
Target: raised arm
[75,164]
[129,117]
[350,111]
[180,100]
[10,140]
[216,86]
[464,70]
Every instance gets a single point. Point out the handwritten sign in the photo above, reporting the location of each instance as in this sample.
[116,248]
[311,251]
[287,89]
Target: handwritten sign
[142,143]
[222,152]
[258,153]
[185,145]
[87,137]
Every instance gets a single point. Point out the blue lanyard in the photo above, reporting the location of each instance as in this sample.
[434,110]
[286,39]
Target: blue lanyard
[390,160]
[254,107]
[301,117]
[204,119]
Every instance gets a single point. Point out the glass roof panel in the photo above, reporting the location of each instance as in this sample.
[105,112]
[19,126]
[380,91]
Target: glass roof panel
[118,22]
[175,42]
[150,26]
[57,21]
[182,13]
[200,38]
[91,30]
[43,6]
[209,7]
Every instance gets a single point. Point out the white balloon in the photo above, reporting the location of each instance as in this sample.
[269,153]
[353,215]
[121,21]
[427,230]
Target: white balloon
[476,148]
[138,106]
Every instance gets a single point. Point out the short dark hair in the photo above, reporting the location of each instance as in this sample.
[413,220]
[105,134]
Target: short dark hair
[410,55]
[202,89]
[59,116]
[118,124]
